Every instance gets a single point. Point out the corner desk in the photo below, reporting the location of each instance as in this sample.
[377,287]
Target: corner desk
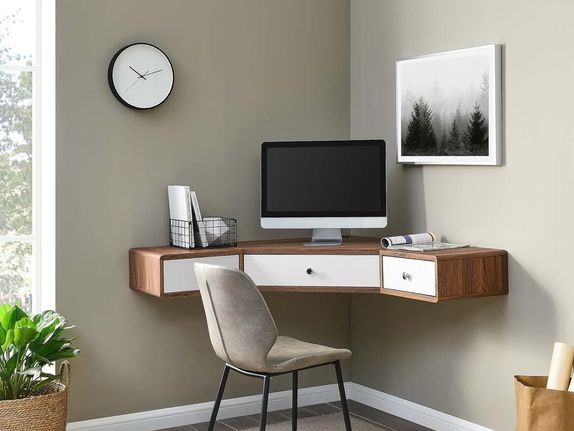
[359,265]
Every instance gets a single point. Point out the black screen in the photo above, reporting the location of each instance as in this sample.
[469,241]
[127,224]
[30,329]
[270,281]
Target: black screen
[318,179]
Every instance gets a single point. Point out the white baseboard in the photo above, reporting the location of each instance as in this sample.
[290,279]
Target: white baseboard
[408,410]
[197,413]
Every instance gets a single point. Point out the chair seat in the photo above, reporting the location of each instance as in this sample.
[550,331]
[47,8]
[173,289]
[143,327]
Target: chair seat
[289,354]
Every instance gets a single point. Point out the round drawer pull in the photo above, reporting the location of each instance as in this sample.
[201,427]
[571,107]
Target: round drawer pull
[309,271]
[407,276]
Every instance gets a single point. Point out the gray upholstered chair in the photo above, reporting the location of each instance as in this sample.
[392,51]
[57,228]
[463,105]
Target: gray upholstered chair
[244,335]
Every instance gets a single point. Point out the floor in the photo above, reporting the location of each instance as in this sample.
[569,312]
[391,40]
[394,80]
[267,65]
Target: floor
[384,420]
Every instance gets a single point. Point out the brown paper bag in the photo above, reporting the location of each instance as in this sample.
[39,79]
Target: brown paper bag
[541,409]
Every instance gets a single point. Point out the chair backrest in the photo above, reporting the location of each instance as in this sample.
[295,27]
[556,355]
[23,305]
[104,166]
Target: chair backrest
[241,328]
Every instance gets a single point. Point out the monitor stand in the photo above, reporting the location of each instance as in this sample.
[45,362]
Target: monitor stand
[326,237]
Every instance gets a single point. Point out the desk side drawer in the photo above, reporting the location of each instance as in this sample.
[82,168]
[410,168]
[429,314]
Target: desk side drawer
[179,274]
[409,275]
[326,270]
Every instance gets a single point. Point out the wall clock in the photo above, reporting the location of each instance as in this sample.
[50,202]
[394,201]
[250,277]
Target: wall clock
[141,76]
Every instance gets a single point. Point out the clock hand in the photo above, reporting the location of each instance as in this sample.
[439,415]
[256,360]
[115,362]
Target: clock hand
[138,78]
[135,82]
[151,73]
[139,74]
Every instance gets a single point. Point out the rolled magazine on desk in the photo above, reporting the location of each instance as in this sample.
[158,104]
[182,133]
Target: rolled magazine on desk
[417,242]
[413,238]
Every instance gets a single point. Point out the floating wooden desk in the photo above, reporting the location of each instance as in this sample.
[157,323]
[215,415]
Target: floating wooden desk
[360,265]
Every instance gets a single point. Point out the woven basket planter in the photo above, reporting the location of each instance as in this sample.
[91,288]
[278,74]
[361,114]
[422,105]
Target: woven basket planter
[45,412]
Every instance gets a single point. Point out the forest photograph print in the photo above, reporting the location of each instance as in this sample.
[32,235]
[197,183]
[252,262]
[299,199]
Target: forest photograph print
[448,107]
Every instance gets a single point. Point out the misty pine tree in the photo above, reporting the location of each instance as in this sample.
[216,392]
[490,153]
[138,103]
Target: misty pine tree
[420,139]
[476,136]
[453,147]
[443,144]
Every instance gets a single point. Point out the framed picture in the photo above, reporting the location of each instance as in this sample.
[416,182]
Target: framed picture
[449,108]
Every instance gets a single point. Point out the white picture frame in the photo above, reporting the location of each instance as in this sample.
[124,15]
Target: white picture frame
[459,85]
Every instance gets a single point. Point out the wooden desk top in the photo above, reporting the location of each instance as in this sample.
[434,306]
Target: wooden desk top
[351,245]
[449,254]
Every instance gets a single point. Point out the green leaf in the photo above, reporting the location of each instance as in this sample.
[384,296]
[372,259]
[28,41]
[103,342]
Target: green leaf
[8,339]
[25,321]
[2,336]
[11,316]
[50,348]
[23,335]
[32,372]
[4,309]
[11,365]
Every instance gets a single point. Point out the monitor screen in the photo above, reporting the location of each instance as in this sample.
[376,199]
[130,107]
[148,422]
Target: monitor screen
[323,179]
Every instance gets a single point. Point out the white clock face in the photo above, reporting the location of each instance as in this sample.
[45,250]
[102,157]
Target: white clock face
[141,76]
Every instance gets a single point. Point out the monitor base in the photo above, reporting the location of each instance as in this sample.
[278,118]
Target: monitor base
[324,237]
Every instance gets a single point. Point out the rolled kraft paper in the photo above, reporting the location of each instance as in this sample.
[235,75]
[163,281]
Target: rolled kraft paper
[560,367]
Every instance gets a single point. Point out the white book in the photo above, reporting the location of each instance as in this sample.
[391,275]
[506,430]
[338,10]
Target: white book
[179,203]
[200,224]
[195,204]
[180,210]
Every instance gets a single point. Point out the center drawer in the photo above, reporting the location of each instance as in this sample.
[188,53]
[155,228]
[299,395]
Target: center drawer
[313,270]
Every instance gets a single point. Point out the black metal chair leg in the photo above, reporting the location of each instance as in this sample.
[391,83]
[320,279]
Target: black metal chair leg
[266,383]
[294,402]
[343,396]
[218,399]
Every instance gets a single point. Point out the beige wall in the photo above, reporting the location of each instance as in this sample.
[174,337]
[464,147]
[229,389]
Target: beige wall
[245,71]
[252,70]
[460,357]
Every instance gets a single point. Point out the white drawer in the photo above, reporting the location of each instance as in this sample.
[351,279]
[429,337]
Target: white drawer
[409,275]
[179,274]
[327,271]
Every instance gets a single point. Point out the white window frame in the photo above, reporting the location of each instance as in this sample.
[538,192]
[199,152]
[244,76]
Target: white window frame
[45,288]
[43,158]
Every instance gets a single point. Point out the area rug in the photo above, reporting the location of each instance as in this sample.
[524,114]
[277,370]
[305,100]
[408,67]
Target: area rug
[332,422]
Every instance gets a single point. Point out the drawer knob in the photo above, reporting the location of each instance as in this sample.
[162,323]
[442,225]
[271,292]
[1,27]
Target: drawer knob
[407,276]
[309,271]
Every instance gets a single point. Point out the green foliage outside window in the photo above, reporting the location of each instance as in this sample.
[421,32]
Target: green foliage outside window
[15,172]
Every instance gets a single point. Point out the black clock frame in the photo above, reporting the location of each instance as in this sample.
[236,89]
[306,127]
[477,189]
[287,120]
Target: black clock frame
[111,80]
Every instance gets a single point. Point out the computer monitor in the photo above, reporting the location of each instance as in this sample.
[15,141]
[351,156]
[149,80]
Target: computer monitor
[324,186]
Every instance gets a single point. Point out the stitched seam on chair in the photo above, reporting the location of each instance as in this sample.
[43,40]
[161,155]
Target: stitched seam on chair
[215,316]
[289,361]
[254,286]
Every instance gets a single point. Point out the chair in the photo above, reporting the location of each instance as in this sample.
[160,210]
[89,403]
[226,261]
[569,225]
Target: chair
[244,335]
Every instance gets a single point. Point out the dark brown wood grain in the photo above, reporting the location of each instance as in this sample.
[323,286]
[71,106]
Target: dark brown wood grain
[475,276]
[146,273]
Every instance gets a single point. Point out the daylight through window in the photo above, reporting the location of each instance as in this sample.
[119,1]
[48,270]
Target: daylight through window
[19,221]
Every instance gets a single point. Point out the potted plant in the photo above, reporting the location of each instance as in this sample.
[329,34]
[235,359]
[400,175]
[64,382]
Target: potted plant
[32,398]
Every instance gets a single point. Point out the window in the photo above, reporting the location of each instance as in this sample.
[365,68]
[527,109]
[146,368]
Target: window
[21,151]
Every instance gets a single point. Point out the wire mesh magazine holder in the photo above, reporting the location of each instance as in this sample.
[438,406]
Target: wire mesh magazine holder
[209,232]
